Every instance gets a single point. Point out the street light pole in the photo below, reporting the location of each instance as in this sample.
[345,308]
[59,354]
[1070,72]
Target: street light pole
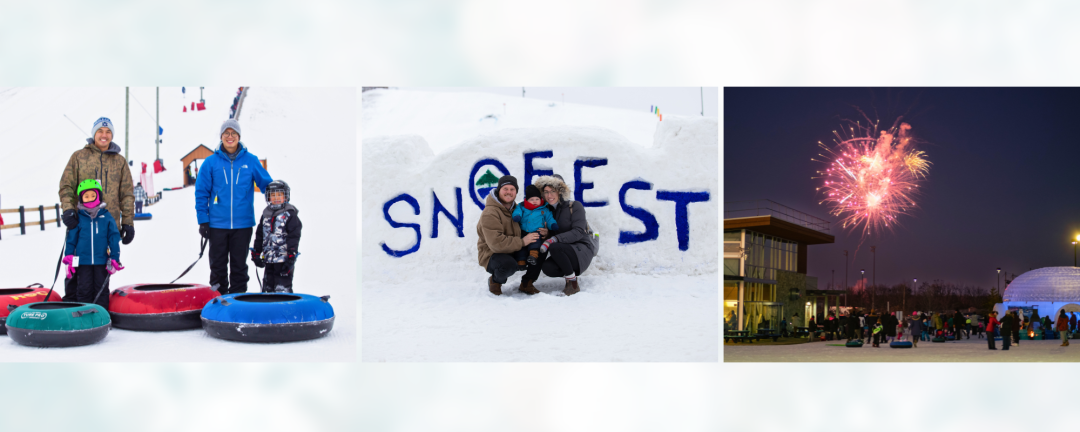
[999,280]
[862,278]
[873,294]
[1074,254]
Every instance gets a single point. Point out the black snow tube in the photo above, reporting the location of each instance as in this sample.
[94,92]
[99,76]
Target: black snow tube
[900,344]
[268,317]
[938,339]
[855,343]
[58,324]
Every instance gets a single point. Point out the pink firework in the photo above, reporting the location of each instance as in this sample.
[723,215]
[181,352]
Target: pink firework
[873,175]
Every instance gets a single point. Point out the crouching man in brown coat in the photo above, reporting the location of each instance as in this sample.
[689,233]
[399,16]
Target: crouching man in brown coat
[499,237]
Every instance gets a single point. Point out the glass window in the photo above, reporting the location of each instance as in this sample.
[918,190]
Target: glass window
[731,303]
[733,236]
[731,267]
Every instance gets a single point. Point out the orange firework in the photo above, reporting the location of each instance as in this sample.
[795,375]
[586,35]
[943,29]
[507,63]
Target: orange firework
[873,175]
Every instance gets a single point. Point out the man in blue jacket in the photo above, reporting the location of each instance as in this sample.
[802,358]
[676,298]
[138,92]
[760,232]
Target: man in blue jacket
[224,204]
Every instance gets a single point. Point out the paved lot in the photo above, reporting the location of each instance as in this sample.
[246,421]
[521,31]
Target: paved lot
[967,350]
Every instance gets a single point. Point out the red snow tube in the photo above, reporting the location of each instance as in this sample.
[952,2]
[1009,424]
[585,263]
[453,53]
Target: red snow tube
[11,298]
[159,307]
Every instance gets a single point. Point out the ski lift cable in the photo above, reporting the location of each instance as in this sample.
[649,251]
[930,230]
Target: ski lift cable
[76,126]
[141,106]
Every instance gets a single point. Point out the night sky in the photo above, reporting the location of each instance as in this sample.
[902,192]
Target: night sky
[1003,190]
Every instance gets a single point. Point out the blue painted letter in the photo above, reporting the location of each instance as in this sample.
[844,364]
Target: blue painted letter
[682,224]
[530,172]
[652,229]
[472,175]
[579,187]
[438,208]
[386,213]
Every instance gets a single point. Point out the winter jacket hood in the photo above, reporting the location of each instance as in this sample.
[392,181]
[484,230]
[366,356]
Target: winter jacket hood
[565,194]
[496,230]
[111,169]
[95,239]
[225,189]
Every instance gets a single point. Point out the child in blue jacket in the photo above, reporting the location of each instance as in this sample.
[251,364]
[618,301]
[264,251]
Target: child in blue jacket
[532,214]
[93,246]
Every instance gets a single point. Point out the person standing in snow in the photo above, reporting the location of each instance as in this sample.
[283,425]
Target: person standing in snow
[916,327]
[1063,328]
[277,240]
[569,250]
[991,326]
[100,160]
[95,242]
[225,207]
[140,197]
[499,237]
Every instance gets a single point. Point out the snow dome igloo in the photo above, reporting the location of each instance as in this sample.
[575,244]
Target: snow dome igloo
[1048,289]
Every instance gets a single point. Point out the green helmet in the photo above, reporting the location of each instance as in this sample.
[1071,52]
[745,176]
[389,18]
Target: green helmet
[88,184]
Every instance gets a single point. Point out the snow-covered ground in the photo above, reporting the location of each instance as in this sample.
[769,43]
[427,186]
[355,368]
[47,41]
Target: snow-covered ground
[306,135]
[966,350]
[650,300]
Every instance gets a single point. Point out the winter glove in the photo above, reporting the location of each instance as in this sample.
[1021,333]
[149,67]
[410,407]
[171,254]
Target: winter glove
[114,267]
[127,234]
[289,264]
[544,247]
[70,218]
[255,258]
[204,230]
[70,269]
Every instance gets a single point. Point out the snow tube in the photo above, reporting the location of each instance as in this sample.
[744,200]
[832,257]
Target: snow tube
[950,337]
[143,216]
[856,343]
[938,339]
[11,298]
[268,317]
[159,307]
[58,324]
[900,344]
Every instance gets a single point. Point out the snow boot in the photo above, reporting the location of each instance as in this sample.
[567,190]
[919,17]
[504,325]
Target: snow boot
[533,256]
[571,287]
[527,287]
[494,287]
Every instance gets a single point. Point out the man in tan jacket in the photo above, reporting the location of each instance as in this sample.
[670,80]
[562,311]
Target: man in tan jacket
[499,236]
[100,160]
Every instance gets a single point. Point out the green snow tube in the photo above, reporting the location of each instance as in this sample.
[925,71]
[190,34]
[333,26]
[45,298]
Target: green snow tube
[854,343]
[58,324]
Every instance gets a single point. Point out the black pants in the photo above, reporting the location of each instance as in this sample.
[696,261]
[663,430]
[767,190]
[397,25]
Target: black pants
[138,206]
[228,259]
[502,266]
[562,261]
[90,281]
[990,340]
[274,281]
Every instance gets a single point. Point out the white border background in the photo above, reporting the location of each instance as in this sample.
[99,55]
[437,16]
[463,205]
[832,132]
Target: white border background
[557,43]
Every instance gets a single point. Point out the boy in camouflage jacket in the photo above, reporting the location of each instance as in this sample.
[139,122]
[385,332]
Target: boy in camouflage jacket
[277,238]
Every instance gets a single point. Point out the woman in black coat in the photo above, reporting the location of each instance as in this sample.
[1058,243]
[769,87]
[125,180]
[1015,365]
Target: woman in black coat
[567,252]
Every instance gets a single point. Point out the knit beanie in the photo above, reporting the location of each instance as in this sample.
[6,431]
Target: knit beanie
[230,124]
[505,180]
[102,122]
[532,191]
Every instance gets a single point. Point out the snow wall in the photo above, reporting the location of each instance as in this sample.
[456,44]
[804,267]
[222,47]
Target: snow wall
[655,208]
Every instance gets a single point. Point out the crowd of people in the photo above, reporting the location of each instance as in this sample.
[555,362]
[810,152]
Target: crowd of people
[876,328]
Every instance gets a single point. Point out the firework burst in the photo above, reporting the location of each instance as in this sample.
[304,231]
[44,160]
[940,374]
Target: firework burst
[873,175]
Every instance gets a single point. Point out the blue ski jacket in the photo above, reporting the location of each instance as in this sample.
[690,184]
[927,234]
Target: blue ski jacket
[225,189]
[531,220]
[92,236]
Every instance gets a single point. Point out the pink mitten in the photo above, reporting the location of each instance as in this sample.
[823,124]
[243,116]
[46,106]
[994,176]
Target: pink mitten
[114,267]
[70,269]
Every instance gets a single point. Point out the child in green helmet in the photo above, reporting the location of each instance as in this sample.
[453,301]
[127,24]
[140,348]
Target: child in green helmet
[93,246]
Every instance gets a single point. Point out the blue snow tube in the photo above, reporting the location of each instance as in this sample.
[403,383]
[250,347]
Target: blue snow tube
[143,216]
[268,317]
[900,344]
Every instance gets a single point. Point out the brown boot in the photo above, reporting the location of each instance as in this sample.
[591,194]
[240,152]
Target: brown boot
[571,287]
[527,287]
[494,287]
